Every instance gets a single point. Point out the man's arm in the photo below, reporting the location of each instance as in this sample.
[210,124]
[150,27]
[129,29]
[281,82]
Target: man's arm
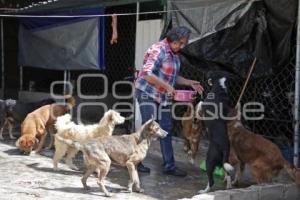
[187,82]
[153,80]
[183,81]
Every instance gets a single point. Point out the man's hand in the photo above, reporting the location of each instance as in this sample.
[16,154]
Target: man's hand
[170,91]
[196,86]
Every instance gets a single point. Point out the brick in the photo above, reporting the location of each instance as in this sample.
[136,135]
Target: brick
[245,194]
[291,191]
[208,196]
[221,195]
[218,195]
[272,192]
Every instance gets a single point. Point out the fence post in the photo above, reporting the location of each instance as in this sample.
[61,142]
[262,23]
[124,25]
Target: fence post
[2,58]
[297,87]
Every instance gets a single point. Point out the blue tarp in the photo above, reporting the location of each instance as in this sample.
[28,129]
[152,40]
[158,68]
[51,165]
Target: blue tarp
[75,43]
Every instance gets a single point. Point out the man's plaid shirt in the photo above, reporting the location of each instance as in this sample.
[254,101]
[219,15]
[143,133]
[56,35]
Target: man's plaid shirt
[159,60]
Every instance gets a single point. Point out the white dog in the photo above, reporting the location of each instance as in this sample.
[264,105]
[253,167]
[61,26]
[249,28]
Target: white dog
[67,129]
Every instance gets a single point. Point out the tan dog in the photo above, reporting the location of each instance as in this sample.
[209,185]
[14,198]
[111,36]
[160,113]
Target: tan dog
[33,128]
[264,157]
[126,150]
[81,133]
[192,132]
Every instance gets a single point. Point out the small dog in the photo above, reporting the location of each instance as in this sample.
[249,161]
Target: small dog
[33,128]
[81,133]
[19,111]
[213,109]
[127,150]
[5,107]
[192,131]
[263,156]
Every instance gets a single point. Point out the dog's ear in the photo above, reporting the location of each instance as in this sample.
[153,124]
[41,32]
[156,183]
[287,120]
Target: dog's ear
[30,143]
[148,123]
[19,142]
[110,116]
[210,82]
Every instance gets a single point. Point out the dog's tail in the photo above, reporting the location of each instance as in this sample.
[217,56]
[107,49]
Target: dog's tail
[292,171]
[61,122]
[228,167]
[199,108]
[69,142]
[70,100]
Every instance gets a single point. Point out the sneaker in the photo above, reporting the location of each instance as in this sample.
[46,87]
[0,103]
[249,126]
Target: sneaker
[176,172]
[142,168]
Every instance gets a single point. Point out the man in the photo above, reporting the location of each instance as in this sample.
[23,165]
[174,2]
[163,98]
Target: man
[155,89]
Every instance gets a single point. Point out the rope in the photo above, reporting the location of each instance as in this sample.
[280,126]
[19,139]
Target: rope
[246,82]
[100,15]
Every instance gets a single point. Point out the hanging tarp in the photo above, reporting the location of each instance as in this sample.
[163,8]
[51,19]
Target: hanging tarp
[63,43]
[230,34]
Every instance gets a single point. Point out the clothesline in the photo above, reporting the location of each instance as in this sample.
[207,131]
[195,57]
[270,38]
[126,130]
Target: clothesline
[100,15]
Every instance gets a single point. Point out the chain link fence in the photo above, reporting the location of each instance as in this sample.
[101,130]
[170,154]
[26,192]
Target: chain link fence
[275,92]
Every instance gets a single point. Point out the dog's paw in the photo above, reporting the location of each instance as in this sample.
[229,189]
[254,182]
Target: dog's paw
[229,186]
[185,148]
[73,167]
[192,161]
[201,191]
[86,187]
[235,182]
[49,148]
[207,189]
[108,194]
[140,190]
[129,189]
[32,153]
[55,169]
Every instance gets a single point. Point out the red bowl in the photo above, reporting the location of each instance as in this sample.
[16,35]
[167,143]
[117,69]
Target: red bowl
[184,95]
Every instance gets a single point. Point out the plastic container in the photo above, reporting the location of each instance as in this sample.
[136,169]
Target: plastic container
[219,171]
[184,95]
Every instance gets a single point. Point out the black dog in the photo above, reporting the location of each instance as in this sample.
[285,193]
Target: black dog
[18,112]
[214,107]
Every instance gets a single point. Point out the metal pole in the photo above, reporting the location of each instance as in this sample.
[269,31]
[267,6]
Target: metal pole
[137,11]
[65,82]
[297,88]
[21,78]
[2,59]
[133,125]
[69,81]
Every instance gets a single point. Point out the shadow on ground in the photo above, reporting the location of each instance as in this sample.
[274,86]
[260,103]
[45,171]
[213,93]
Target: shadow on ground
[156,184]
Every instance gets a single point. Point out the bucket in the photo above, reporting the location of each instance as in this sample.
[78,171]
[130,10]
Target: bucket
[184,95]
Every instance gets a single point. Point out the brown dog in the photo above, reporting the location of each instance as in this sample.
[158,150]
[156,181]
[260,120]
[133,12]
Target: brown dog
[264,157]
[33,128]
[126,150]
[192,131]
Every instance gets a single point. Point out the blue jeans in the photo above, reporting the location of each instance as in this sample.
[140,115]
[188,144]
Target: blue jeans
[149,107]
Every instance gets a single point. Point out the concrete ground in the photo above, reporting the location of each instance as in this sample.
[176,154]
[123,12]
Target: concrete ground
[31,177]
